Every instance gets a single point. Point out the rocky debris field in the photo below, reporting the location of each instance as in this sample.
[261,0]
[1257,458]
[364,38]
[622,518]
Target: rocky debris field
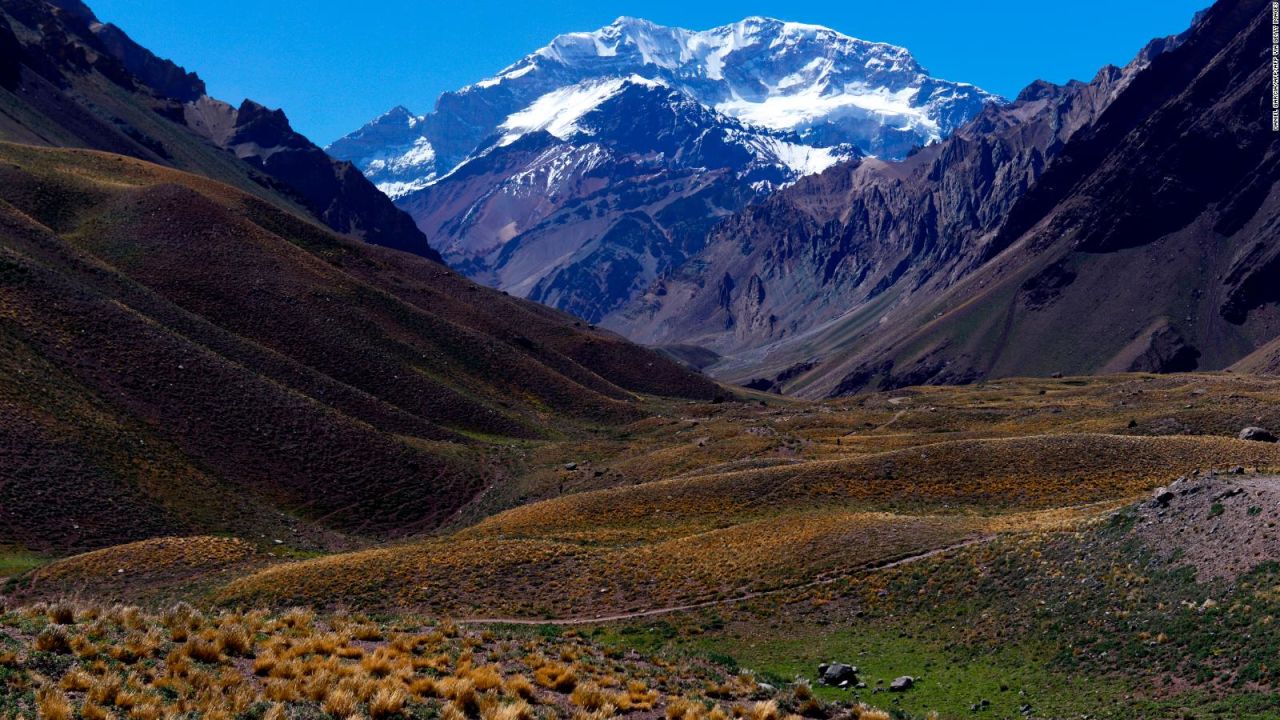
[1222,524]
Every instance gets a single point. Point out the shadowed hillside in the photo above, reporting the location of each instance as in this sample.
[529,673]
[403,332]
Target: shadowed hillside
[183,357]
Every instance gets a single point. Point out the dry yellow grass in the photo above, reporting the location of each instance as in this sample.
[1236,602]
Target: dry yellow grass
[785,550]
[299,671]
[931,467]
[1034,471]
[154,562]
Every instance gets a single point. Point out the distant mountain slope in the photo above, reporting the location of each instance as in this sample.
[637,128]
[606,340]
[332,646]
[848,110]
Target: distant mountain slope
[1149,244]
[584,203]
[862,235]
[69,80]
[1000,251]
[179,356]
[578,175]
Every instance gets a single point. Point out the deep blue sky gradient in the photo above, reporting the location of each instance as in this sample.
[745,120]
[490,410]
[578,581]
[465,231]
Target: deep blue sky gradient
[334,65]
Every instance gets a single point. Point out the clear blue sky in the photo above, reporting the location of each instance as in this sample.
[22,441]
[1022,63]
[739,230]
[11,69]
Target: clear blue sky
[334,65]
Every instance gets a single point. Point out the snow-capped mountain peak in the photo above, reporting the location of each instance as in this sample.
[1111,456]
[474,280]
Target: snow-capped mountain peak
[581,172]
[782,75]
[824,87]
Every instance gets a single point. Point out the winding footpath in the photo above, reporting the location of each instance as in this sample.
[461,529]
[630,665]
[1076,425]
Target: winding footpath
[873,567]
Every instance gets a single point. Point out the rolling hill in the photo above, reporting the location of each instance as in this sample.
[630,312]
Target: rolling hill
[181,356]
[201,333]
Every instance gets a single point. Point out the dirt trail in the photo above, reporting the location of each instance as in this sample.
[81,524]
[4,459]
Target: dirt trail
[871,567]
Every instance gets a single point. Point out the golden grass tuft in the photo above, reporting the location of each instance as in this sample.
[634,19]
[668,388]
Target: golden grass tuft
[340,702]
[422,687]
[485,678]
[636,697]
[764,710]
[387,702]
[62,613]
[235,640]
[298,618]
[76,680]
[590,697]
[93,711]
[684,709]
[556,676]
[53,640]
[452,712]
[518,710]
[519,686]
[51,704]
[203,649]
[381,663]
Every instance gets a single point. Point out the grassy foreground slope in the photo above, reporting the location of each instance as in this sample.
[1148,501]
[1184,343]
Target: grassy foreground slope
[180,357]
[998,543]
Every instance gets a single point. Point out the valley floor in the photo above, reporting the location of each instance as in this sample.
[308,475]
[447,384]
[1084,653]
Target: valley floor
[1001,544]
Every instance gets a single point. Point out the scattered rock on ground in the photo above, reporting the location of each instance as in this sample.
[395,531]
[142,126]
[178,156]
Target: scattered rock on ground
[1221,525]
[902,684]
[1163,496]
[837,674]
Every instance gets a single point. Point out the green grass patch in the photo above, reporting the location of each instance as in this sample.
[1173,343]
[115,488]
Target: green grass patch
[951,679]
[15,561]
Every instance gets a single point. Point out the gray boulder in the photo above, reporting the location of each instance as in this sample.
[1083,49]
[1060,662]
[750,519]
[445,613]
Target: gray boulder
[1256,434]
[837,674]
[902,684]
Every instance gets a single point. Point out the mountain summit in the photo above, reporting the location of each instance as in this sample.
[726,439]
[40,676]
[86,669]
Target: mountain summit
[588,168]
[826,87]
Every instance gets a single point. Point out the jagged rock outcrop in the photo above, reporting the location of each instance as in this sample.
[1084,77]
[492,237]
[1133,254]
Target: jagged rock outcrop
[68,80]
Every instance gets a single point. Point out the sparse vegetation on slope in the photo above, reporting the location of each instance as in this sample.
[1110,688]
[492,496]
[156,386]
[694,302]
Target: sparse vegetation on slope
[207,362]
[776,535]
[838,488]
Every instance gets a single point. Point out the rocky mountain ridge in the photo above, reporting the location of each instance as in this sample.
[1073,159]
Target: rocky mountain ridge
[1012,247]
[73,81]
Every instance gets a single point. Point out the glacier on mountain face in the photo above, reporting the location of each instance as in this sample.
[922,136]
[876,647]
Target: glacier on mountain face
[558,111]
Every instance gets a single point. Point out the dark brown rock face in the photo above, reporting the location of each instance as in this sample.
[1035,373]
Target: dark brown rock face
[1123,224]
[869,229]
